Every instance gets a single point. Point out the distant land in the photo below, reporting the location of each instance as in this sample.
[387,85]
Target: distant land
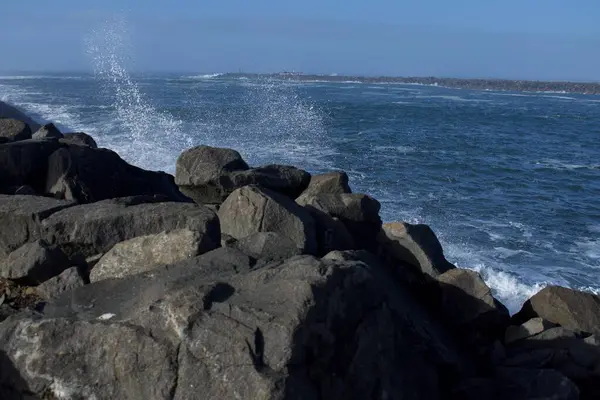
[475,84]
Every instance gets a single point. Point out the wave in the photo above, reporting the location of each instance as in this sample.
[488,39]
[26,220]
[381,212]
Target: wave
[35,77]
[205,76]
[564,166]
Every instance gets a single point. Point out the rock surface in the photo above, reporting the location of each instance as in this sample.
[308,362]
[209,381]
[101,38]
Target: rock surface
[13,129]
[8,111]
[48,131]
[267,246]
[144,253]
[250,210]
[34,263]
[329,183]
[527,329]
[79,138]
[66,281]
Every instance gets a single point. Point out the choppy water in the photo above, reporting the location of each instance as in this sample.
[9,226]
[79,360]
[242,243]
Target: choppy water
[509,181]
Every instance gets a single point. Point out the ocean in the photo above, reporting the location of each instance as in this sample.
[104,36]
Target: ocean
[509,181]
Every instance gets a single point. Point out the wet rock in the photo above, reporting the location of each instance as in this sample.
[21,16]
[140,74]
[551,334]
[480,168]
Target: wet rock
[415,245]
[79,138]
[90,229]
[34,263]
[250,210]
[144,253]
[571,309]
[21,217]
[48,131]
[13,130]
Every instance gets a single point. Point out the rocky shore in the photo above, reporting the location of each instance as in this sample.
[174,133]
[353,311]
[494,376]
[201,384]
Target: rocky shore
[228,281]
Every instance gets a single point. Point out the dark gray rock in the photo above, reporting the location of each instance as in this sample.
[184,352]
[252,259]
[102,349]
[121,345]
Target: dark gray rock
[251,209]
[415,245]
[467,303]
[527,329]
[8,111]
[79,138]
[200,170]
[12,129]
[332,234]
[526,384]
[48,131]
[26,163]
[358,212]
[144,253]
[284,179]
[67,280]
[268,246]
[90,229]
[329,183]
[34,263]
[88,175]
[20,219]
[572,309]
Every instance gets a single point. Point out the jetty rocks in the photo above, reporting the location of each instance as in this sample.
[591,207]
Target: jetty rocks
[228,281]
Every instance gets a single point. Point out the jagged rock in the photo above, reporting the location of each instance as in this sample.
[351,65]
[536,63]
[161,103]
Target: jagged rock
[67,280]
[88,175]
[467,302]
[358,212]
[415,245]
[26,163]
[90,229]
[527,329]
[34,263]
[8,111]
[329,183]
[251,209]
[267,246]
[572,309]
[20,219]
[284,179]
[302,329]
[144,253]
[79,138]
[200,170]
[46,132]
[12,129]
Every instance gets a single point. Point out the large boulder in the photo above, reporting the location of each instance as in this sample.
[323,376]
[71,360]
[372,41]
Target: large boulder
[26,163]
[79,138]
[69,279]
[200,171]
[13,129]
[144,253]
[21,218]
[267,246]
[572,309]
[90,229]
[209,174]
[415,245]
[8,111]
[48,131]
[527,329]
[250,209]
[329,183]
[87,175]
[303,329]
[34,263]
[358,212]
[332,234]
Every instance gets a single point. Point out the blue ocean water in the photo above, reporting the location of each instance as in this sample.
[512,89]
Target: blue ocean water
[510,182]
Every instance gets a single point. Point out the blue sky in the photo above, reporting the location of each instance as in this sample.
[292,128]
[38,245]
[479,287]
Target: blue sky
[528,39]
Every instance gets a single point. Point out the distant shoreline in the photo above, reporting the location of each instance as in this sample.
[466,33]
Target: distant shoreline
[455,83]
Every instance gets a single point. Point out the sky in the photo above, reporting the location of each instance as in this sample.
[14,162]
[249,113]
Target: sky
[514,39]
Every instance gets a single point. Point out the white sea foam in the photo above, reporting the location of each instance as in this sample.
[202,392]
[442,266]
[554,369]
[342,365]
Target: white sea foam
[453,98]
[399,149]
[205,76]
[561,165]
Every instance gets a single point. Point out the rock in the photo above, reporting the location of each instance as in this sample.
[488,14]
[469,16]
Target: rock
[331,233]
[227,241]
[415,245]
[8,111]
[329,183]
[467,302]
[571,309]
[68,280]
[48,131]
[358,212]
[199,172]
[527,329]
[525,384]
[79,138]
[88,175]
[90,229]
[300,329]
[250,210]
[34,263]
[284,179]
[13,129]
[26,163]
[20,219]
[144,253]
[267,246]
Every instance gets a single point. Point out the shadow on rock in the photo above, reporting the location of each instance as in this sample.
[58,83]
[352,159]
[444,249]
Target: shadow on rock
[12,384]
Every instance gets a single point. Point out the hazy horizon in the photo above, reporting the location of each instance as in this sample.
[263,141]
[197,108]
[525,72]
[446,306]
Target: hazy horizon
[521,40]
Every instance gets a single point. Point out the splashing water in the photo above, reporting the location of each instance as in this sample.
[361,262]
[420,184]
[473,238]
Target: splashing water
[146,134]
